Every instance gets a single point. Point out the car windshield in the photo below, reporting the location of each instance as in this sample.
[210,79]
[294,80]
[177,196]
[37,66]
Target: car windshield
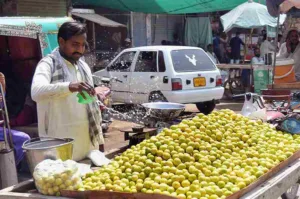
[191,60]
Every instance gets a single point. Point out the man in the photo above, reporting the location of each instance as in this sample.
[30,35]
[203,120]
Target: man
[211,54]
[58,78]
[291,49]
[257,59]
[261,37]
[216,45]
[267,46]
[235,44]
[176,41]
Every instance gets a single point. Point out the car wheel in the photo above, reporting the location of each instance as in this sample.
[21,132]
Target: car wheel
[206,107]
[157,97]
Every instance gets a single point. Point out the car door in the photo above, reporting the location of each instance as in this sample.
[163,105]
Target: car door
[144,78]
[121,69]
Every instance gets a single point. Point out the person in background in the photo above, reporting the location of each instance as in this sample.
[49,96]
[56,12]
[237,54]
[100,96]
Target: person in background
[257,59]
[261,37]
[223,47]
[164,42]
[216,45]
[58,78]
[211,54]
[291,49]
[176,41]
[235,44]
[267,46]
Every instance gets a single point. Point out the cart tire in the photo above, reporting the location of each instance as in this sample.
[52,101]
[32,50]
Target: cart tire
[291,193]
[206,107]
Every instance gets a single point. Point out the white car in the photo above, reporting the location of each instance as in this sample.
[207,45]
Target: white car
[165,73]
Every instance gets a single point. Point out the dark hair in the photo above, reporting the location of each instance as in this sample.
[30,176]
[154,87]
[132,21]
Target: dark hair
[209,45]
[290,32]
[163,42]
[237,33]
[70,29]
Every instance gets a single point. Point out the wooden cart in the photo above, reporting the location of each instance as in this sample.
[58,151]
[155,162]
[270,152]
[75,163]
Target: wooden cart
[234,84]
[270,186]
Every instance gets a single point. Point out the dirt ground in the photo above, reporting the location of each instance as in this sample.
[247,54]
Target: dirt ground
[114,138]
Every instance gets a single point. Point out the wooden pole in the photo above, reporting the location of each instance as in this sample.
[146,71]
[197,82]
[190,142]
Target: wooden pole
[276,42]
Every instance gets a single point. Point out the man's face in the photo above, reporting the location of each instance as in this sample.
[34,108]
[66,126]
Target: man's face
[257,53]
[294,37]
[269,38]
[210,48]
[73,48]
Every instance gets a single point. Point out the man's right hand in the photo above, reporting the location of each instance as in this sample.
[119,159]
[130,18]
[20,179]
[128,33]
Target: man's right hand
[82,86]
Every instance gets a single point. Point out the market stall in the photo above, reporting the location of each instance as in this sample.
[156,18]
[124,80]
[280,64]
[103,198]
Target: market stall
[249,15]
[221,155]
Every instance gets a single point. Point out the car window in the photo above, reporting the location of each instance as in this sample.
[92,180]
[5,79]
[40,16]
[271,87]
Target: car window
[161,62]
[123,63]
[146,62]
[191,60]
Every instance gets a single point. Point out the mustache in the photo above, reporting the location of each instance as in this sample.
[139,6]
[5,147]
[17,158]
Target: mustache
[75,53]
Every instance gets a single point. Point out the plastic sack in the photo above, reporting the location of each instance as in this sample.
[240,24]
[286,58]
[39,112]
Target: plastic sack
[52,176]
[289,123]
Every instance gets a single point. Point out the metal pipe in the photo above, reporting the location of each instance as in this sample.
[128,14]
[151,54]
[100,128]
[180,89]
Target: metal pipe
[275,53]
[6,123]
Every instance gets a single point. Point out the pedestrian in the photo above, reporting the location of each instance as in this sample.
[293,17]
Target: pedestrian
[176,41]
[58,78]
[223,47]
[216,45]
[211,54]
[235,44]
[267,46]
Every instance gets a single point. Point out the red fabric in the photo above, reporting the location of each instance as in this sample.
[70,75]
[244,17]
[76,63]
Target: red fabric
[26,117]
[22,49]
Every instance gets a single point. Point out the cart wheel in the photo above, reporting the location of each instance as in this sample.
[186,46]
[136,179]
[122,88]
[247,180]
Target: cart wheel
[291,193]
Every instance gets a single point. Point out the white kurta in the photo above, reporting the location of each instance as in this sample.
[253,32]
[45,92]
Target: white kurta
[59,113]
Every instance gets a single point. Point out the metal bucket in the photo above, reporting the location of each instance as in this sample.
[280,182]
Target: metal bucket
[39,149]
[164,111]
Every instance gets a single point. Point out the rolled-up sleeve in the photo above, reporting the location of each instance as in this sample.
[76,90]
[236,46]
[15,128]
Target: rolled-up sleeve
[42,88]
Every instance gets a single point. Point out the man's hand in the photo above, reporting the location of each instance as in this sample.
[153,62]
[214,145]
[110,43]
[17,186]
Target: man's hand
[82,86]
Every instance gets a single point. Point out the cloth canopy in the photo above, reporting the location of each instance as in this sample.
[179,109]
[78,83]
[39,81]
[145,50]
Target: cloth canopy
[165,6]
[249,15]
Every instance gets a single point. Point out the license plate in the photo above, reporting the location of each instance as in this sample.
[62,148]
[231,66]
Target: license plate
[199,81]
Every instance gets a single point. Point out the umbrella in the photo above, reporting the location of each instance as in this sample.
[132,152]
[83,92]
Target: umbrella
[249,15]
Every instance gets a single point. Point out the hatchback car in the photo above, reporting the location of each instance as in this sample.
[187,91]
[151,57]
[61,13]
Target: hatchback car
[165,73]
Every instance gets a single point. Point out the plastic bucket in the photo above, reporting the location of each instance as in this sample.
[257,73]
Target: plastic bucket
[284,71]
[262,76]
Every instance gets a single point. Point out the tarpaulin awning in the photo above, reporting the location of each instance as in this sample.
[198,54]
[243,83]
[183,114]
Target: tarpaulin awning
[165,6]
[98,19]
[249,15]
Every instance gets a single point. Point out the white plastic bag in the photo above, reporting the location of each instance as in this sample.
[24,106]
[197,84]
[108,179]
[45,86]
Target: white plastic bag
[52,176]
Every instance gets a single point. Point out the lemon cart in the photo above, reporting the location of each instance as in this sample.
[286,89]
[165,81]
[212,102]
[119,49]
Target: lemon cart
[221,155]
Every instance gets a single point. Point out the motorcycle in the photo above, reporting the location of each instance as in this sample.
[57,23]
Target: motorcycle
[103,91]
